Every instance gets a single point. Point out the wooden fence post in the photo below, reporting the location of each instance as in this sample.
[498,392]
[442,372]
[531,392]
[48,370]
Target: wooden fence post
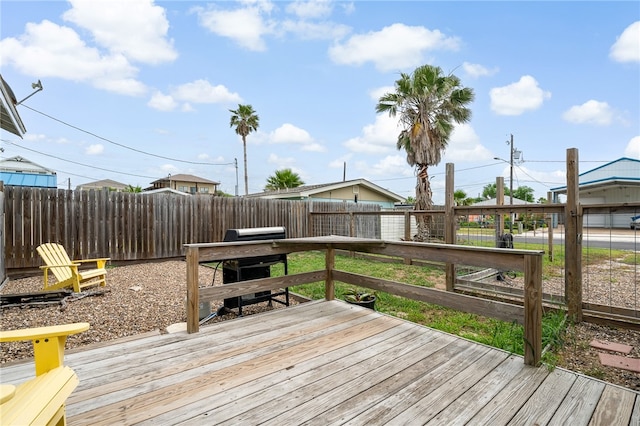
[573,240]
[500,202]
[532,309]
[193,294]
[407,233]
[449,224]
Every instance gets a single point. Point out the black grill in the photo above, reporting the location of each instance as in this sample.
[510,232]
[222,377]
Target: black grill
[251,268]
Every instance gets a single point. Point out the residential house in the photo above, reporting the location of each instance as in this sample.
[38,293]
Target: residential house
[19,171]
[358,191]
[615,182]
[108,184]
[186,183]
[9,118]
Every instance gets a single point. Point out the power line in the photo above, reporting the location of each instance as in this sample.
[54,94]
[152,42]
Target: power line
[75,162]
[122,145]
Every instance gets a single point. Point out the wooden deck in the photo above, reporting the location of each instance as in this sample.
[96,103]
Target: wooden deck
[327,363]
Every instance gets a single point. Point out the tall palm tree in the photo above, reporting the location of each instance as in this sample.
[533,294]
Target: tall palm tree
[245,121]
[428,104]
[283,179]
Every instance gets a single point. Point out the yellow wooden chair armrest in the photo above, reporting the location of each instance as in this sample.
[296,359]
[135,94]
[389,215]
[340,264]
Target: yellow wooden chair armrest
[100,262]
[48,343]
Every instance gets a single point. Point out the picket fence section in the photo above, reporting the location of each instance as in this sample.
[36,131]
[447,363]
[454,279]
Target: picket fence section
[138,226]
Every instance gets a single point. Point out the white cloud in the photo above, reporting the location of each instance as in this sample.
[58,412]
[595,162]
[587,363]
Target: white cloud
[465,145]
[290,134]
[516,98]
[136,29]
[316,30]
[281,162]
[477,70]
[94,149]
[162,102]
[395,47]
[198,92]
[310,9]
[377,93]
[633,148]
[379,137]
[202,92]
[50,50]
[590,112]
[391,165]
[627,46]
[246,26]
[339,162]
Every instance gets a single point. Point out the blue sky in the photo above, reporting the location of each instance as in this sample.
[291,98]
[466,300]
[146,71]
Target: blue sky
[123,80]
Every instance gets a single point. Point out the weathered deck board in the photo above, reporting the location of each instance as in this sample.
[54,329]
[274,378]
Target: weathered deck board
[327,363]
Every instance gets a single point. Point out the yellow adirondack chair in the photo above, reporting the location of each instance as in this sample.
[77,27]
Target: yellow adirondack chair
[67,272]
[41,400]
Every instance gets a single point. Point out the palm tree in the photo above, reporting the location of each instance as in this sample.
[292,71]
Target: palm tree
[428,105]
[245,121]
[283,179]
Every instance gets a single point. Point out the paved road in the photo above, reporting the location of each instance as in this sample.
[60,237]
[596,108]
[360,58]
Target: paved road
[618,238]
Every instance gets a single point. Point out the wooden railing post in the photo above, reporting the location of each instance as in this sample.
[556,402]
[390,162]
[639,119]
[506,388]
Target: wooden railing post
[449,225]
[532,310]
[329,285]
[193,295]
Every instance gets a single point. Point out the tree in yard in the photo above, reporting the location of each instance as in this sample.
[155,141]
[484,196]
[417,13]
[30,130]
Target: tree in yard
[131,188]
[524,193]
[283,179]
[245,120]
[460,198]
[491,191]
[428,105]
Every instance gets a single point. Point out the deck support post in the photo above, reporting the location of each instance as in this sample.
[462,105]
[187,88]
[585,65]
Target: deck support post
[329,285]
[193,323]
[532,310]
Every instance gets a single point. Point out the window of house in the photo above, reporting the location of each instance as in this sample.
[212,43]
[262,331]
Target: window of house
[183,188]
[204,190]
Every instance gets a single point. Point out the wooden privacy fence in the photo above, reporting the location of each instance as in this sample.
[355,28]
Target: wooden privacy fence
[527,261]
[134,226]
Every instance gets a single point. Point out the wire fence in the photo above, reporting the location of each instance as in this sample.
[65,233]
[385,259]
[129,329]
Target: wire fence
[610,251]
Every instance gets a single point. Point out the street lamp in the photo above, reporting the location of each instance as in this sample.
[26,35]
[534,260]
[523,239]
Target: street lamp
[513,154]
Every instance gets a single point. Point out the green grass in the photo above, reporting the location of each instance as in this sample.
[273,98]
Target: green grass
[493,332]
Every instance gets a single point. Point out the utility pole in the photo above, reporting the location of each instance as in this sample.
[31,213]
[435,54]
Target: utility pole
[511,186]
[235,160]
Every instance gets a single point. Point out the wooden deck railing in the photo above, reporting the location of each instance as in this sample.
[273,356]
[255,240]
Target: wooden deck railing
[527,261]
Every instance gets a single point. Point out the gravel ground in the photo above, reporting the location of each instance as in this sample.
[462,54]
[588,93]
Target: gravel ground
[139,298]
[146,297]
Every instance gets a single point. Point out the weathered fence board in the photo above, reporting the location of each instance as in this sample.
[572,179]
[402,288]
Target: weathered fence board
[130,226]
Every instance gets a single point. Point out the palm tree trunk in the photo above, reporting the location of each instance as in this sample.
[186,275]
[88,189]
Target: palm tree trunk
[246,175]
[423,202]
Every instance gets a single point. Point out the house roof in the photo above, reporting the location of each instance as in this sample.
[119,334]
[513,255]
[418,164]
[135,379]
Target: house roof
[507,201]
[186,178]
[22,165]
[306,191]
[9,118]
[105,183]
[623,171]
[165,190]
